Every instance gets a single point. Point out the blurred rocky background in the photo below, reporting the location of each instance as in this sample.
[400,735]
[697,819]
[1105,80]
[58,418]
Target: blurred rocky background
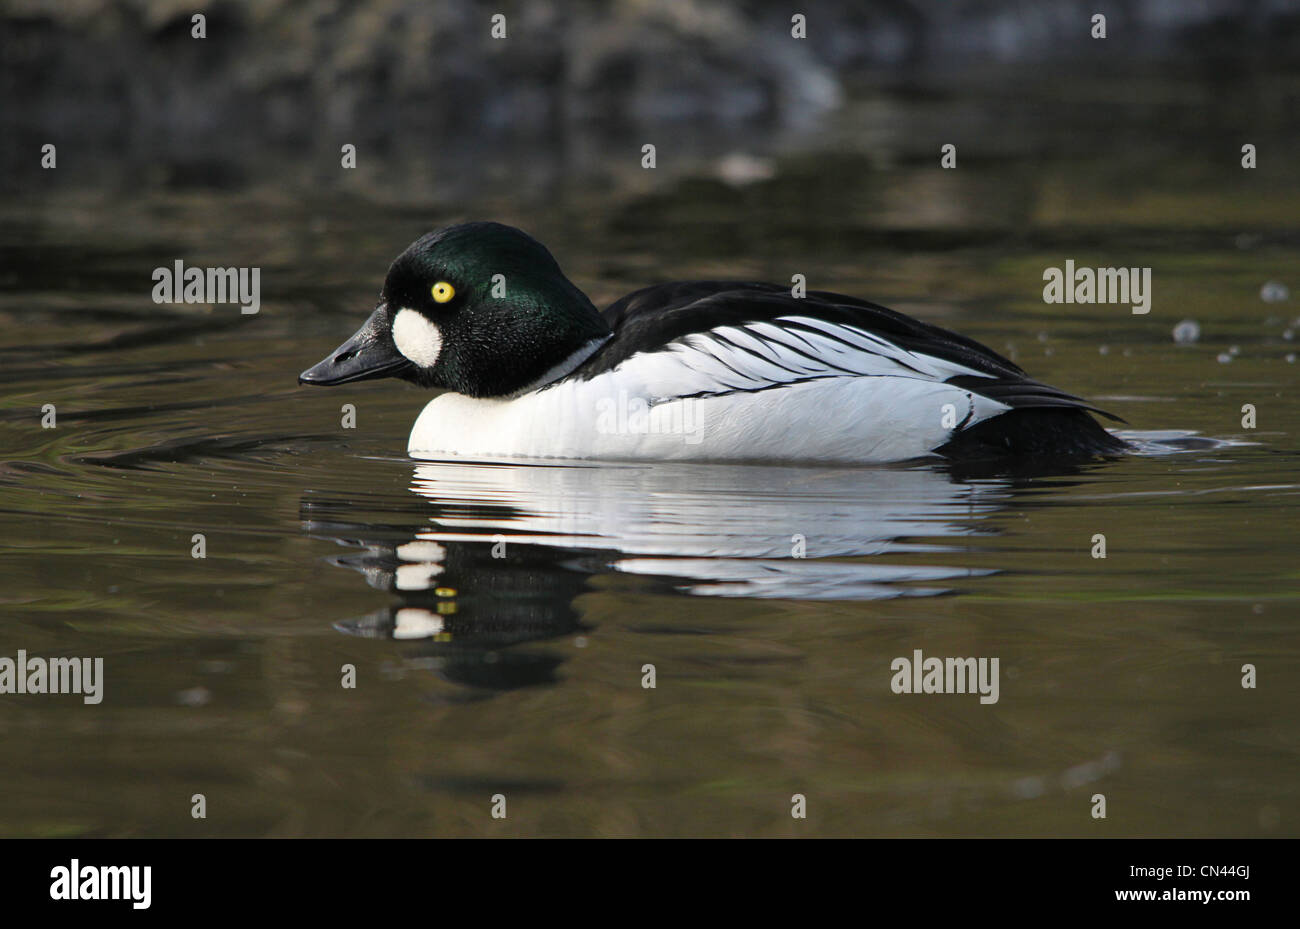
[572,86]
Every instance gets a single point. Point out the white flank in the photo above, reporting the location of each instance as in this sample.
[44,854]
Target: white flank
[759,392]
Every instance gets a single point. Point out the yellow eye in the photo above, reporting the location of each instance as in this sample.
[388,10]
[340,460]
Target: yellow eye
[442,292]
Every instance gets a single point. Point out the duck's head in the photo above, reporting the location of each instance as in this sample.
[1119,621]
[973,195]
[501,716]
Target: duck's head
[480,309]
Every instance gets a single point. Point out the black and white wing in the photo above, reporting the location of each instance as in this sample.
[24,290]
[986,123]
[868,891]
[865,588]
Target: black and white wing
[709,338]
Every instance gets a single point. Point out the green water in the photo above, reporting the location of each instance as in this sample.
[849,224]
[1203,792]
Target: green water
[522,675]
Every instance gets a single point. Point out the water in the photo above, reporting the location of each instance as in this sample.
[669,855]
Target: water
[522,674]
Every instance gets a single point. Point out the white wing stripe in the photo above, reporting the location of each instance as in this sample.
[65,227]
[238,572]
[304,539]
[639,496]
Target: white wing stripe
[776,353]
[938,368]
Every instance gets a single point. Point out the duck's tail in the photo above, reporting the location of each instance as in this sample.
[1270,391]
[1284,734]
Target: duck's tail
[1034,432]
[1043,422]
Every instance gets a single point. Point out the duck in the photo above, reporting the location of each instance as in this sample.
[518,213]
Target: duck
[525,366]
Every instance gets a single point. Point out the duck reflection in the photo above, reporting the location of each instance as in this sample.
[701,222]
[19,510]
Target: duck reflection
[494,555]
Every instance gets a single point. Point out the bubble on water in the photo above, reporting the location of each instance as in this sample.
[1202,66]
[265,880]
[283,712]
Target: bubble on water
[1028,788]
[1187,332]
[1290,358]
[1103,350]
[1288,334]
[195,696]
[1224,358]
[1042,336]
[1274,292]
[1234,349]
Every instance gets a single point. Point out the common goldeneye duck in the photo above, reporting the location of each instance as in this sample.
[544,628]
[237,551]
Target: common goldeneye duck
[693,370]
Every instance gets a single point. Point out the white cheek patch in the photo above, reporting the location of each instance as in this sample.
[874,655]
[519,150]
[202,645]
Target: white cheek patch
[417,338]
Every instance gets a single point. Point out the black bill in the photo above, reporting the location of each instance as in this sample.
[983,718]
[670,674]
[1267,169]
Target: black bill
[370,353]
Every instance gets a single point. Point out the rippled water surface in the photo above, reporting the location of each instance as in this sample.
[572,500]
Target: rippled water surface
[500,616]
